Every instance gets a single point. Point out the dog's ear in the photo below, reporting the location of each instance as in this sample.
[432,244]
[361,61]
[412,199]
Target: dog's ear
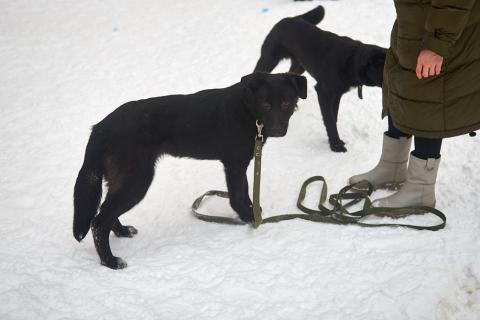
[378,59]
[250,84]
[253,79]
[373,70]
[300,85]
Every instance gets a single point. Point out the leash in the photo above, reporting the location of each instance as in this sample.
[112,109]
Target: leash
[344,199]
[360,92]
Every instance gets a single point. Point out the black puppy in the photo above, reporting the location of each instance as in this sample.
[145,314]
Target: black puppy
[337,63]
[217,124]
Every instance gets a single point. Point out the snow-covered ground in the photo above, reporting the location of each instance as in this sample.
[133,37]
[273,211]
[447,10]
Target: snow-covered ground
[67,64]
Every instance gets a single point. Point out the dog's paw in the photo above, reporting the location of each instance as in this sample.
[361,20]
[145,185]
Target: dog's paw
[247,217]
[338,146]
[126,232]
[115,263]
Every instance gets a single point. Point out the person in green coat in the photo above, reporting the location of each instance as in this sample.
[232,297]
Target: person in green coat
[431,91]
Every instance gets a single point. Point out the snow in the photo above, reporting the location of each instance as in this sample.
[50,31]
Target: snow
[67,64]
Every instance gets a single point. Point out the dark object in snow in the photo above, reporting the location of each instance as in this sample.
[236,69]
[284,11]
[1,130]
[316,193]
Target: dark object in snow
[217,124]
[472,134]
[337,63]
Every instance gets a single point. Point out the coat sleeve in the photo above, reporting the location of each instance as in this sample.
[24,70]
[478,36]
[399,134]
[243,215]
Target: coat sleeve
[445,23]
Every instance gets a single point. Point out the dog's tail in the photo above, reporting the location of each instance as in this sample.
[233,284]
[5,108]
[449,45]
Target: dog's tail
[314,16]
[88,187]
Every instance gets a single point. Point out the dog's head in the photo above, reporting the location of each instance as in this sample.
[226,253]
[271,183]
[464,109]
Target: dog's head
[272,98]
[374,61]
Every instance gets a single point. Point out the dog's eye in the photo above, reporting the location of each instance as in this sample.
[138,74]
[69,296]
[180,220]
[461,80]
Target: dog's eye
[266,106]
[285,105]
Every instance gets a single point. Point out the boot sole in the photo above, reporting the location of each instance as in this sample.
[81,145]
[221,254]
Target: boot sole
[390,186]
[399,213]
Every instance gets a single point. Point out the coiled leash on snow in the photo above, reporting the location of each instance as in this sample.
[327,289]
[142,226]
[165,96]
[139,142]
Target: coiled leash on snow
[337,215]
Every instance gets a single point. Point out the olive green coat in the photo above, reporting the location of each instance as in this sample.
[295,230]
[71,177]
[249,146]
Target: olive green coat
[440,106]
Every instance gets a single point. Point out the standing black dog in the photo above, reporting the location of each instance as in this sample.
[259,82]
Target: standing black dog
[217,124]
[337,63]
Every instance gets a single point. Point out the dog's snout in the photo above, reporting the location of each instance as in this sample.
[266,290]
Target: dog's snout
[278,128]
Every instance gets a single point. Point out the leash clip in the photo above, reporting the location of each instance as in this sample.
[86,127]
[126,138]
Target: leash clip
[259,130]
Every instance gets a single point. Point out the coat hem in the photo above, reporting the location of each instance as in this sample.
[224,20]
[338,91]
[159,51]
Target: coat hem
[436,134]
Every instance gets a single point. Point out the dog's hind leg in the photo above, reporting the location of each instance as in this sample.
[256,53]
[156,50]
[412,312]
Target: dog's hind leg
[124,196]
[237,184]
[336,107]
[296,67]
[329,105]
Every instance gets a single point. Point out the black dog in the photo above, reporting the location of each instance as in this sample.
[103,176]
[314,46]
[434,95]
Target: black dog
[217,124]
[337,63]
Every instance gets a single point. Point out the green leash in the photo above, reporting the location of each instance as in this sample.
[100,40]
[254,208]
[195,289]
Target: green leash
[347,197]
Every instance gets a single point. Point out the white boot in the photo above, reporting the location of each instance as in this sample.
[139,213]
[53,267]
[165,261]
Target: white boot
[419,189]
[391,170]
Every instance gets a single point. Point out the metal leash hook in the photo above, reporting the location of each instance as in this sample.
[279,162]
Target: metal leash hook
[259,130]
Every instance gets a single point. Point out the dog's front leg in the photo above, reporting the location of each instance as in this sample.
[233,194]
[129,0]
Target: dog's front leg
[237,184]
[329,105]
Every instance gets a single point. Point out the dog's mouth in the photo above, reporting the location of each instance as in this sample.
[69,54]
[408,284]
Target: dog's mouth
[277,131]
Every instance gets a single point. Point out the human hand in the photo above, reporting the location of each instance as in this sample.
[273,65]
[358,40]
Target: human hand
[428,64]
